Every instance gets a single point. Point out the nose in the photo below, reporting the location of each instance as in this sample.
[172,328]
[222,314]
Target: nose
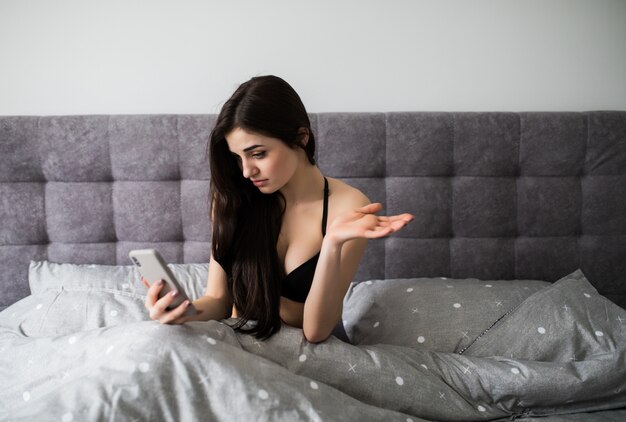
[248,168]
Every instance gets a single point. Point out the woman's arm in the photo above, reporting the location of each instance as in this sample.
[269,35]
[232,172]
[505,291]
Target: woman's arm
[336,267]
[214,305]
[342,249]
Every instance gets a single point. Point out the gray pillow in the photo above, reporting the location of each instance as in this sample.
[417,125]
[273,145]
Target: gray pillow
[67,298]
[44,275]
[429,313]
[594,325]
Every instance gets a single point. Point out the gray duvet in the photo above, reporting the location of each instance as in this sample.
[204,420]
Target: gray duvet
[205,371]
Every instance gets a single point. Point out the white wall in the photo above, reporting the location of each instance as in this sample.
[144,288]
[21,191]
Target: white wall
[61,57]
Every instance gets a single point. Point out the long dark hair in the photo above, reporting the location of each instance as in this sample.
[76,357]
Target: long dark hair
[246,223]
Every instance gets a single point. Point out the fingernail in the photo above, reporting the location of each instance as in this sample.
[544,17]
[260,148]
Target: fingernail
[160,282]
[186,303]
[174,293]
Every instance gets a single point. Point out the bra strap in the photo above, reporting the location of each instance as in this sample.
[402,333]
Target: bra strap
[325,217]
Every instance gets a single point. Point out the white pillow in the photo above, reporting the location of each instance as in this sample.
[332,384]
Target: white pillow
[43,275]
[67,298]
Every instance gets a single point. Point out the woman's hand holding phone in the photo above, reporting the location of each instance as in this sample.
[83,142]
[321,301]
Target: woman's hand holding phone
[157,307]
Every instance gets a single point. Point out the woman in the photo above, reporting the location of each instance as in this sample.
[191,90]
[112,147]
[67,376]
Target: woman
[272,210]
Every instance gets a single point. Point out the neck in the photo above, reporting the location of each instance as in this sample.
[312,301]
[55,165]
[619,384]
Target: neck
[305,186]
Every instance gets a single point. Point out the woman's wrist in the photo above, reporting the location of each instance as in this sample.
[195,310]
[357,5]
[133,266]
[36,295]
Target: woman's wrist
[332,241]
[208,308]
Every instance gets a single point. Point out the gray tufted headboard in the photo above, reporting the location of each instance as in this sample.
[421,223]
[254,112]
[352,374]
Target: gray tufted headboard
[495,195]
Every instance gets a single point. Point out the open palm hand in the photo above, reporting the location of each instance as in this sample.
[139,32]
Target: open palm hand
[362,223]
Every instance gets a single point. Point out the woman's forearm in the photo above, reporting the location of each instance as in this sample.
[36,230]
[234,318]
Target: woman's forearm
[211,308]
[324,304]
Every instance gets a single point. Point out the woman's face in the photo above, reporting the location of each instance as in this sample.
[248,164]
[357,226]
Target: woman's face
[262,158]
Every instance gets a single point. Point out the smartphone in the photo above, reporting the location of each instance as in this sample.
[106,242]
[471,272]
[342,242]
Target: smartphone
[153,268]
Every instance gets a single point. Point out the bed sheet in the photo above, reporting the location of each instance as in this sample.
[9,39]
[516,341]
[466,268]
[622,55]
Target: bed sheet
[137,370]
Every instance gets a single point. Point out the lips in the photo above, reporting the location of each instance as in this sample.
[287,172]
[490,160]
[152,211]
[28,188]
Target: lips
[259,182]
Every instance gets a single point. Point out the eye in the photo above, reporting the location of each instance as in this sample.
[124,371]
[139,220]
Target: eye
[259,155]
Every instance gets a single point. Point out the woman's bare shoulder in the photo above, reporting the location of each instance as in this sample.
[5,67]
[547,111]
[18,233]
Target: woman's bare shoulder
[345,196]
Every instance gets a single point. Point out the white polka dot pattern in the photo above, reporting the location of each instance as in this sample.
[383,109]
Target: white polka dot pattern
[467,306]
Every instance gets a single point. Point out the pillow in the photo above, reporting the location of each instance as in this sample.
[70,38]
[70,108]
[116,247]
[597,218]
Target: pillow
[594,325]
[59,312]
[67,298]
[119,278]
[436,314]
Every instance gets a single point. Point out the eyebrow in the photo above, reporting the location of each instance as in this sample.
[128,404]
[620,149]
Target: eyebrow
[252,147]
[247,149]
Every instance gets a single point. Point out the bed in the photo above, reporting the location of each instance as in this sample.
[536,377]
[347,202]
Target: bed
[503,299]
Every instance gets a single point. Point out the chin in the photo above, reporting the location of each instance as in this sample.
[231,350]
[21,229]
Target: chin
[270,188]
[265,189]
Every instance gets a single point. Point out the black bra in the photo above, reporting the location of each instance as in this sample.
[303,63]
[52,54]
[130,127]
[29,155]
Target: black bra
[296,284]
